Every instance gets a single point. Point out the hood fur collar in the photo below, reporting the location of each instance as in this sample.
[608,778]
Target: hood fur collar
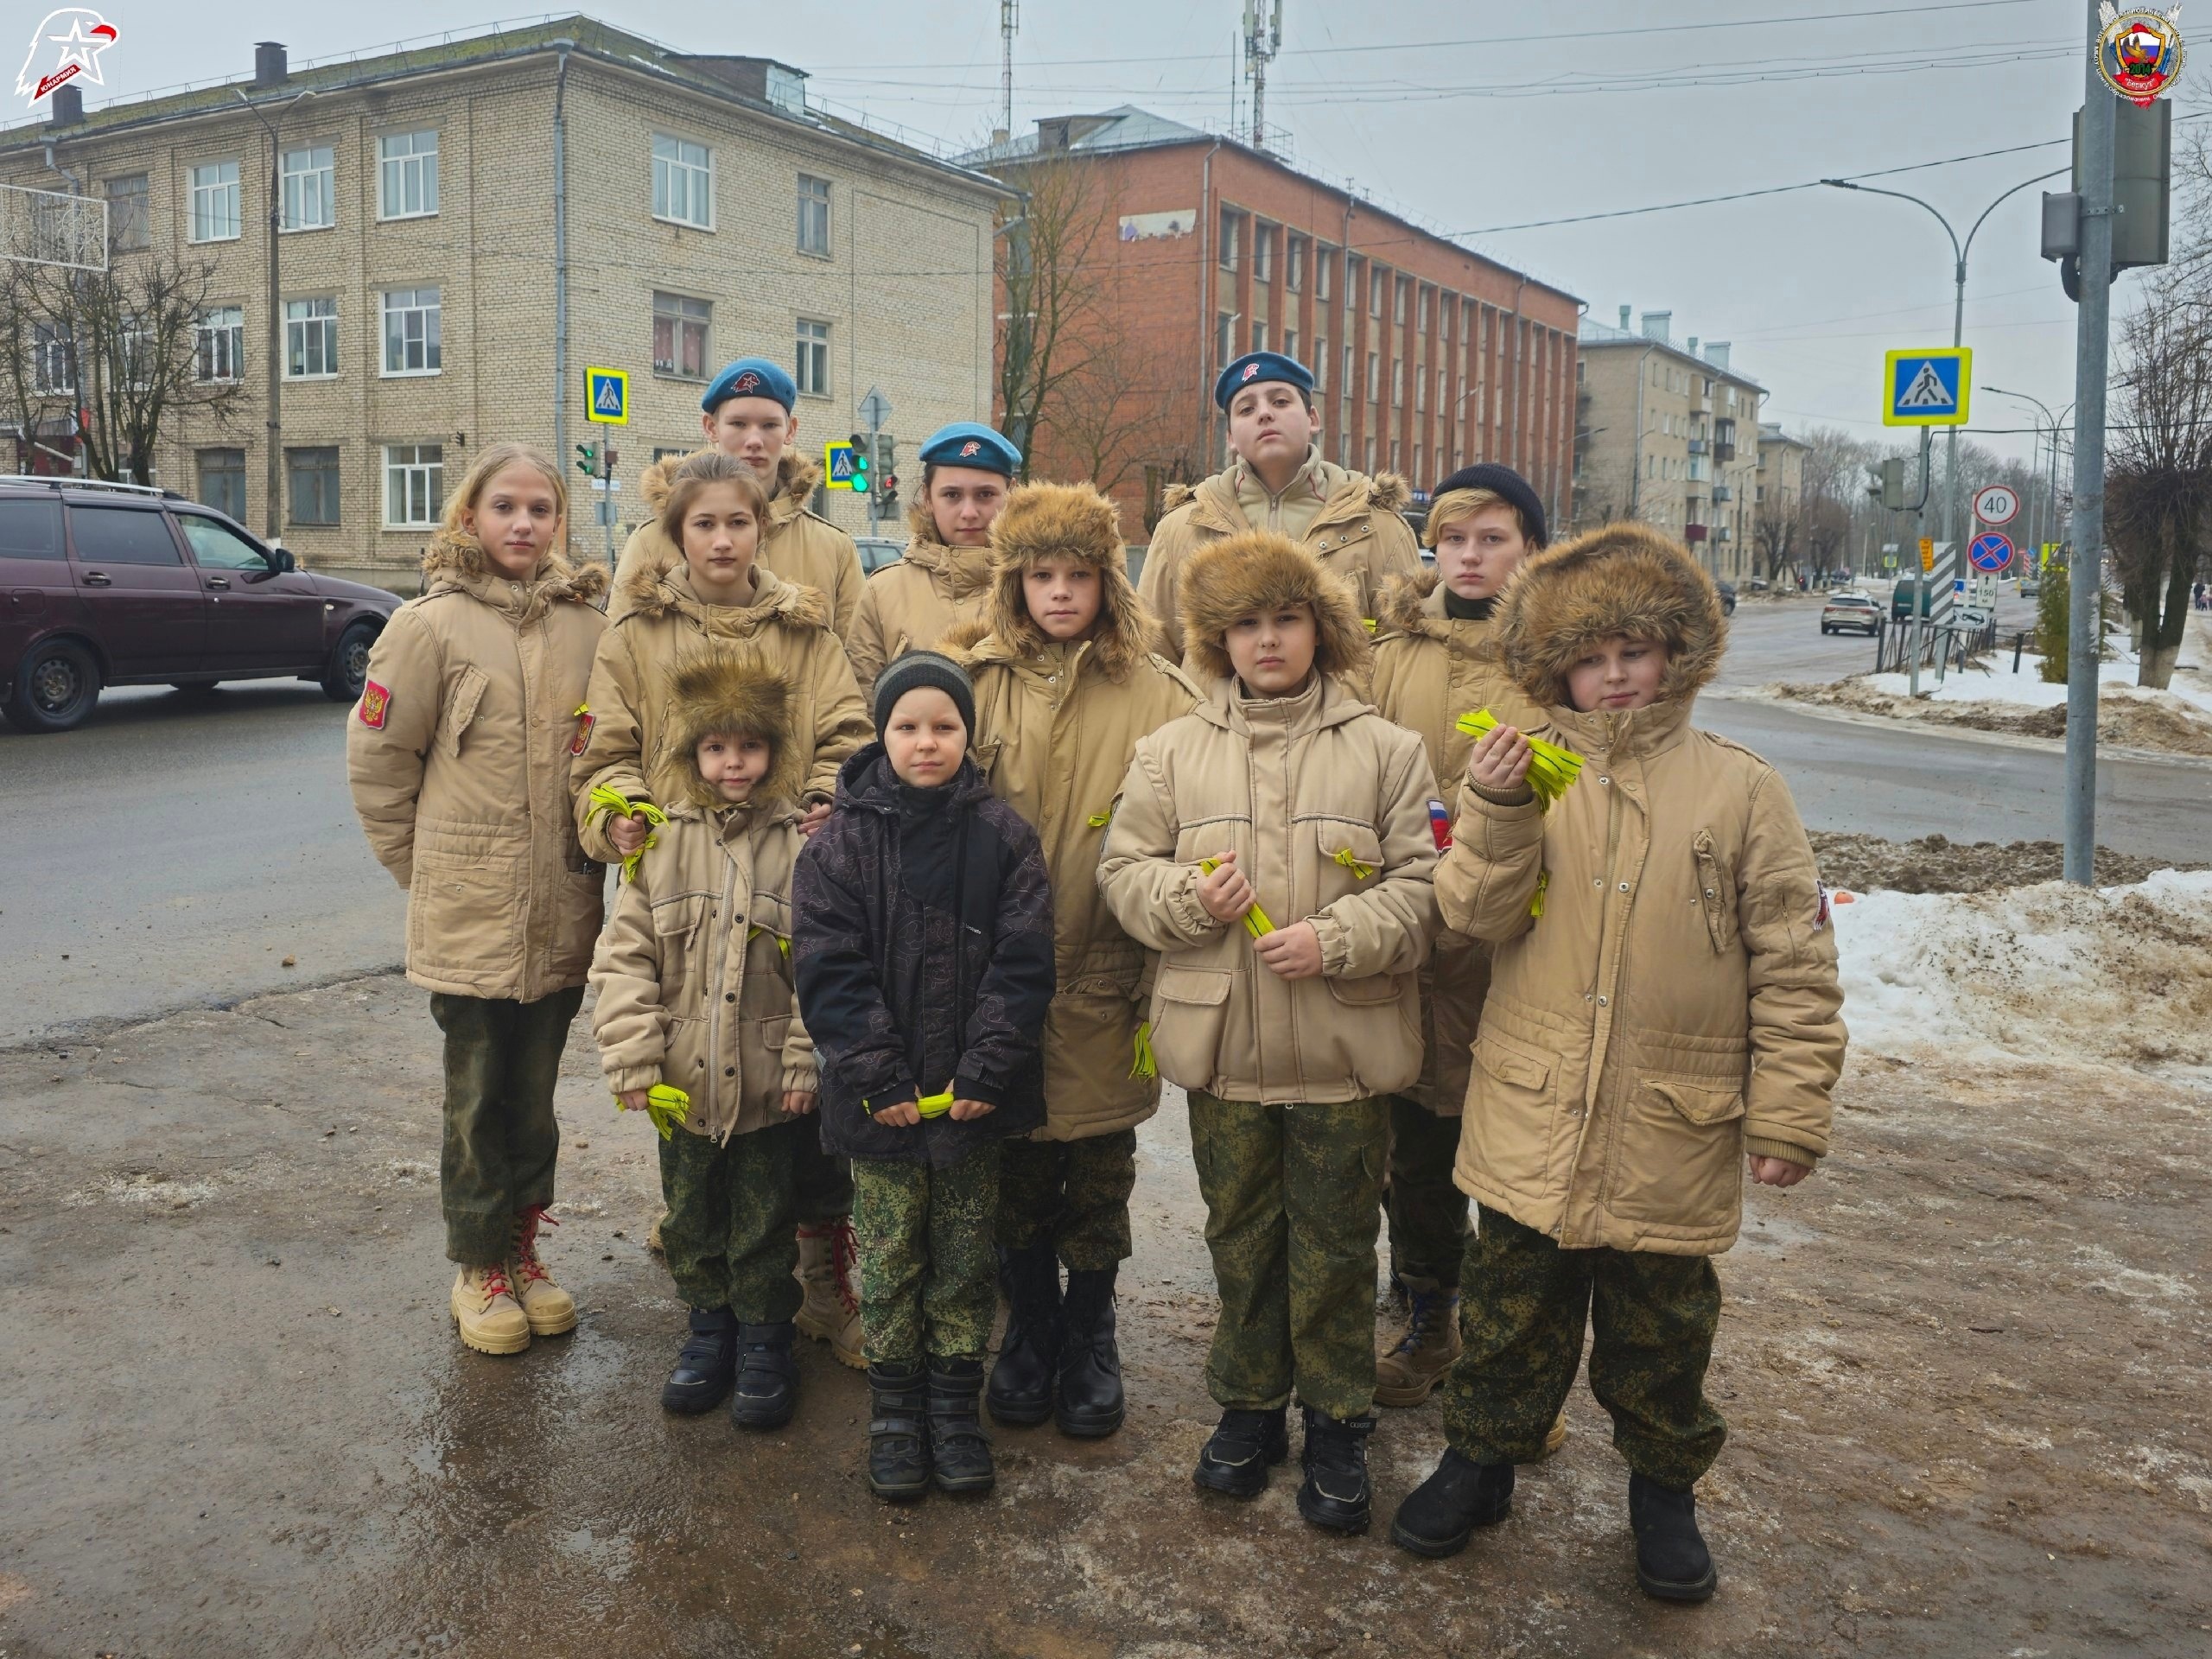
[1384,493]
[1063,520]
[1262,569]
[719,692]
[656,594]
[1624,579]
[796,477]
[460,559]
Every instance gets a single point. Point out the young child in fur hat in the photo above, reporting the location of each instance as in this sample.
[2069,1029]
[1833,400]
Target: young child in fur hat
[1663,1013]
[1066,682]
[1273,845]
[925,963]
[694,977]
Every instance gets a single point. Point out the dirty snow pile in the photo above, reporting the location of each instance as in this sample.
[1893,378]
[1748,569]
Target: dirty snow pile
[2190,694]
[2049,973]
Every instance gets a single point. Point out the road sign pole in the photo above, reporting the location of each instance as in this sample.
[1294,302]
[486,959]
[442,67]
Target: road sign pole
[607,501]
[873,432]
[1920,588]
[2085,580]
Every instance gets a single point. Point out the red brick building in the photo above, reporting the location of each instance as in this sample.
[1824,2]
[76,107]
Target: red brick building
[1427,356]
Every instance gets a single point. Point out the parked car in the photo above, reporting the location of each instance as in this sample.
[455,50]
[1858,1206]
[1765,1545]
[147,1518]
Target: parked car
[2030,586]
[120,584]
[876,551]
[1901,597]
[1728,597]
[1850,611]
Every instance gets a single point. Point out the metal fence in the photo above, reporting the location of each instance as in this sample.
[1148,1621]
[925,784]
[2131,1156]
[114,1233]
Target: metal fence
[1946,642]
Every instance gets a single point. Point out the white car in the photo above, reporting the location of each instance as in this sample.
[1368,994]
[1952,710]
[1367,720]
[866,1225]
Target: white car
[1850,611]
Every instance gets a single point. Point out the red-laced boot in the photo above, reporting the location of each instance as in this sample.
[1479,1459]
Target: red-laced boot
[549,1309]
[827,1257]
[486,1312]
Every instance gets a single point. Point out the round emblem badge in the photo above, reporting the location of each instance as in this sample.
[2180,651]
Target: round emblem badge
[971,448]
[1251,372]
[2140,52]
[746,381]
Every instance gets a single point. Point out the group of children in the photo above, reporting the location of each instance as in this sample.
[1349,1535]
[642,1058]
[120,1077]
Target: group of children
[929,882]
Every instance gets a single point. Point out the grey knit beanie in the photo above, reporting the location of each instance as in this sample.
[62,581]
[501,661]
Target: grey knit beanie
[920,668]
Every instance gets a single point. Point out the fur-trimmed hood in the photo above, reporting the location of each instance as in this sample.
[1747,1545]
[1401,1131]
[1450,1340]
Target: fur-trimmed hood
[1404,606]
[1385,492]
[460,558]
[738,697]
[668,593]
[963,571]
[1066,520]
[796,477]
[1624,579]
[1261,569]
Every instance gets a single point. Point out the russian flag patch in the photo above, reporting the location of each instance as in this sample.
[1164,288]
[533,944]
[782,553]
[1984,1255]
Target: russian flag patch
[1439,823]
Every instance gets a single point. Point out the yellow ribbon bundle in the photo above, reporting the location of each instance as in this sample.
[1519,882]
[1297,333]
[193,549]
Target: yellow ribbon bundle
[605,800]
[1552,770]
[934,1105]
[666,1106]
[1100,820]
[782,944]
[1145,1065]
[1359,872]
[1255,919]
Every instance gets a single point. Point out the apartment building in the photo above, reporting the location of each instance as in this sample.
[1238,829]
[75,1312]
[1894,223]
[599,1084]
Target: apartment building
[1668,433]
[1426,356]
[1779,494]
[466,226]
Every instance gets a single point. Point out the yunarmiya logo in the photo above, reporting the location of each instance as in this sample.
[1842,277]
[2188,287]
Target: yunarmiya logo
[67,44]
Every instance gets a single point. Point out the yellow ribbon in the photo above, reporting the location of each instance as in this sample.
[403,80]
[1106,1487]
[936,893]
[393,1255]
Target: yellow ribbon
[1145,1066]
[1255,919]
[1552,770]
[1369,623]
[782,944]
[927,1105]
[1100,820]
[666,1106]
[582,709]
[1359,872]
[606,800]
[1537,904]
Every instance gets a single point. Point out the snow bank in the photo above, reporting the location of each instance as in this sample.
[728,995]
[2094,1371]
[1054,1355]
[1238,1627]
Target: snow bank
[2191,691]
[2046,973]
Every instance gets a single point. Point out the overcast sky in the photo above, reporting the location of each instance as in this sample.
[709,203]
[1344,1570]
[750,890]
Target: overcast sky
[1470,115]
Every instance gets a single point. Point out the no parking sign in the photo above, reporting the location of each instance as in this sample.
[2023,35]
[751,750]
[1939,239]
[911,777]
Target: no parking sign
[1991,551]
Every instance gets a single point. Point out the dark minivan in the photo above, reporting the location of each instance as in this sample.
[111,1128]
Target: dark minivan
[120,584]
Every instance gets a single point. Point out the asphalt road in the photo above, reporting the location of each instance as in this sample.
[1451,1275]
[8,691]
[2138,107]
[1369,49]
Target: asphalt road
[175,850]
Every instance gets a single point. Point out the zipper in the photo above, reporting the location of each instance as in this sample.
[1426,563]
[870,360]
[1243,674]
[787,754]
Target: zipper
[716,1002]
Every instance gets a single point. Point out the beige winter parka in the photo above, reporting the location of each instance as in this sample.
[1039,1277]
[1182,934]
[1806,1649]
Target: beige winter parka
[669,626]
[1676,1004]
[1430,667]
[1056,726]
[913,605]
[794,543]
[1357,534]
[458,758]
[1325,804]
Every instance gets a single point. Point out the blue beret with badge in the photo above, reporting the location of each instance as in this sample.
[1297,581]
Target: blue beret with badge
[971,443]
[750,377]
[1256,366]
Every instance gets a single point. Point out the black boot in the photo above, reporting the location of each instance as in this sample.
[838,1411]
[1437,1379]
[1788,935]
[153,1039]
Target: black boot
[707,1366]
[1090,1403]
[1336,1496]
[1672,1562]
[1235,1461]
[897,1431]
[1022,1381]
[958,1447]
[1440,1515]
[767,1378]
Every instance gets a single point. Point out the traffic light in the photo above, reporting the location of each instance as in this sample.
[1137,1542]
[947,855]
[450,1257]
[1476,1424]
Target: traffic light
[891,492]
[860,481]
[1892,486]
[587,459]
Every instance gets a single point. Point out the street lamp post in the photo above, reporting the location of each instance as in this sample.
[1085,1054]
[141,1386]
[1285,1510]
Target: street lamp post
[2051,510]
[272,488]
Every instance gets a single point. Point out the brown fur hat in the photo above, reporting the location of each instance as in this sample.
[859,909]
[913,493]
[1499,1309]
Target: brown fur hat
[1260,570]
[736,695]
[1626,579]
[1043,521]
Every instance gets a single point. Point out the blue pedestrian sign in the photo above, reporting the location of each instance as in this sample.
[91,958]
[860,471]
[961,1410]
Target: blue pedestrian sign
[1991,550]
[606,397]
[1927,388]
[838,471]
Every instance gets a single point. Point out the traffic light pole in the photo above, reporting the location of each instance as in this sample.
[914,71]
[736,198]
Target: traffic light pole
[875,445]
[606,500]
[2085,575]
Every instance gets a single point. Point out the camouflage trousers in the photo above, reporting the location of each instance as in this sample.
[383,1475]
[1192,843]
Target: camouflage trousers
[1291,1194]
[501,1141]
[727,1234]
[1074,1194]
[1427,1213]
[821,1184]
[1521,1316]
[929,1277]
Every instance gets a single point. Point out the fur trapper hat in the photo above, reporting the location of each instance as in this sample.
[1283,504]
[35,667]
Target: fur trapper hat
[1264,570]
[1626,579]
[734,696]
[1072,521]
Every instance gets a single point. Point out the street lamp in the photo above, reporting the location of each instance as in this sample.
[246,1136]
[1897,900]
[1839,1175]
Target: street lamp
[274,484]
[2050,512]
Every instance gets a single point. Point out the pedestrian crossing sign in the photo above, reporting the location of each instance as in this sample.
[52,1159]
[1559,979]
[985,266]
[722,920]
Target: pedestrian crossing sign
[1927,388]
[606,397]
[837,470]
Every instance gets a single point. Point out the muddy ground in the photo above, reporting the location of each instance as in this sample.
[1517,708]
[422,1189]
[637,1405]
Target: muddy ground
[2124,721]
[1937,864]
[1964,1368]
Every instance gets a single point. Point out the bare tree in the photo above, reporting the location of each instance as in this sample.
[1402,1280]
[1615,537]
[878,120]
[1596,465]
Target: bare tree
[1116,413]
[2158,478]
[1053,321]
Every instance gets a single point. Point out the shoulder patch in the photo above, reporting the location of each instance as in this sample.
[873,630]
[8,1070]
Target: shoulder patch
[376,704]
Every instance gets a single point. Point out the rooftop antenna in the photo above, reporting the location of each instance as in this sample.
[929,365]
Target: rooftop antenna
[1262,39]
[1009,20]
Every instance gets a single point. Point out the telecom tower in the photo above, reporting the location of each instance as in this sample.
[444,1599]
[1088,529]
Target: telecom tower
[1009,20]
[1262,39]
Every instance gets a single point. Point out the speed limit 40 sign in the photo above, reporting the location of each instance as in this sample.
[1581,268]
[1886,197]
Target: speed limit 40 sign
[1996,504]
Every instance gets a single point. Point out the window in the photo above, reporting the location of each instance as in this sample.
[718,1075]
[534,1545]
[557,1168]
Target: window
[215,202]
[222,479]
[1324,263]
[1369,468]
[1374,376]
[1397,380]
[813,371]
[1293,264]
[214,544]
[31,530]
[414,484]
[814,216]
[1290,344]
[684,182]
[1321,364]
[311,477]
[1421,393]
[1443,311]
[123,535]
[1263,254]
[1441,470]
[407,174]
[680,336]
[1259,336]
[1427,299]
[1398,304]
[1229,239]
[310,339]
[221,346]
[309,202]
[129,221]
[1443,389]
[1225,340]
[1378,281]
[1348,370]
[54,359]
[1396,466]
[411,328]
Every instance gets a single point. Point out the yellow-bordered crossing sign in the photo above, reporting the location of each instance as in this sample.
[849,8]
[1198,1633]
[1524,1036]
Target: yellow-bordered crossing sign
[606,397]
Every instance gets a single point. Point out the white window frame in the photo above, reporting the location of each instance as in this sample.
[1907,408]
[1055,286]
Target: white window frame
[677,310]
[1263,254]
[684,182]
[1374,377]
[52,349]
[303,323]
[814,205]
[1259,335]
[1290,344]
[218,334]
[431,335]
[1294,264]
[811,367]
[1325,261]
[216,210]
[129,230]
[419,477]
[395,165]
[309,190]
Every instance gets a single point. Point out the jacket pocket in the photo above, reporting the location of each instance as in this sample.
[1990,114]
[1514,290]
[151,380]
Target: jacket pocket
[460,708]
[1716,893]
[675,927]
[1678,1159]
[1512,1101]
[1190,1010]
[1351,860]
[986,756]
[464,916]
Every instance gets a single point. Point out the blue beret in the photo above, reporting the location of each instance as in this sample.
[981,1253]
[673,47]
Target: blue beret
[1254,367]
[750,377]
[971,443]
